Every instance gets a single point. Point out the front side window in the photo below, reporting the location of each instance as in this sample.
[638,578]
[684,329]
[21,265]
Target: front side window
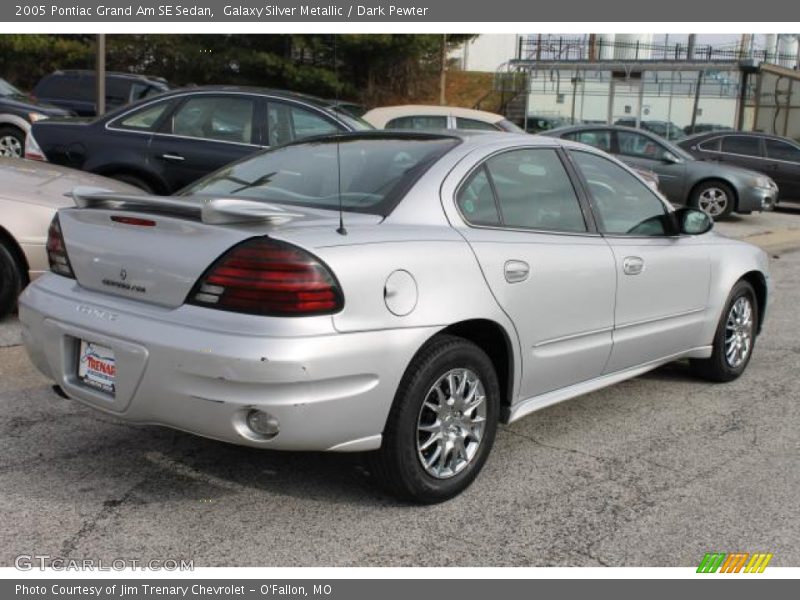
[418,122]
[223,118]
[144,119]
[531,189]
[640,146]
[711,145]
[741,144]
[782,151]
[287,123]
[599,138]
[623,205]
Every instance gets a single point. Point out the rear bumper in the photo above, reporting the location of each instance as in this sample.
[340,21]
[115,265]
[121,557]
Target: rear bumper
[329,391]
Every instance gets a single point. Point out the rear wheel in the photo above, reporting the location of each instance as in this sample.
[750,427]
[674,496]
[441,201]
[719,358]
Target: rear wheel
[12,142]
[11,281]
[715,198]
[442,424]
[735,337]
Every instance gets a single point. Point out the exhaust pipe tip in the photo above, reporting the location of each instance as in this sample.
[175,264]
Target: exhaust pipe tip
[59,392]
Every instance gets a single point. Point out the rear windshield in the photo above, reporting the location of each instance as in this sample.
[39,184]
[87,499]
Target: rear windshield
[375,173]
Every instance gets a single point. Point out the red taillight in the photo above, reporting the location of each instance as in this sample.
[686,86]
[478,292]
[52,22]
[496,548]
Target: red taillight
[267,277]
[133,221]
[57,251]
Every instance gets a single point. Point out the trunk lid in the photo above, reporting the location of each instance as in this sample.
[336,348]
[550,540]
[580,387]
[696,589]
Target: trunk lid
[154,249]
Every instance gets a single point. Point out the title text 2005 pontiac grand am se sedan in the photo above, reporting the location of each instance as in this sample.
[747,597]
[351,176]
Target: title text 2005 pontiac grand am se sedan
[478,278]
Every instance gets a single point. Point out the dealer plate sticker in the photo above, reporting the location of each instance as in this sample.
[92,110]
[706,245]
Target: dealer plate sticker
[97,367]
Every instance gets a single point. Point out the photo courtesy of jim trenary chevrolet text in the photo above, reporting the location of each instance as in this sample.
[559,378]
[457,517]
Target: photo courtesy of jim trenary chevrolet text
[399,299]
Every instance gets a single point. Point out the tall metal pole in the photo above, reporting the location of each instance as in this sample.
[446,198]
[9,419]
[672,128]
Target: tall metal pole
[100,74]
[443,72]
[696,98]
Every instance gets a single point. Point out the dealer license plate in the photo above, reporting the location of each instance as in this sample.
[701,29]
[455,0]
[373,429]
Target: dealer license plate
[97,367]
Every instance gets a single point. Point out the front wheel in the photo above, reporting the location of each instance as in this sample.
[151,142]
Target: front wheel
[714,198]
[12,142]
[442,424]
[734,338]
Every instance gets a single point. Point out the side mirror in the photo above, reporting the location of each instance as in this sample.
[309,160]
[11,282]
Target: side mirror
[669,157]
[693,221]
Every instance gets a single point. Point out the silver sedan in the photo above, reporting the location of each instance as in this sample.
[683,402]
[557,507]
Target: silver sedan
[397,294]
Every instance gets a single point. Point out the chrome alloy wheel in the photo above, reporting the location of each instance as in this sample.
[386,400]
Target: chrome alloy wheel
[739,332]
[451,423]
[10,146]
[713,201]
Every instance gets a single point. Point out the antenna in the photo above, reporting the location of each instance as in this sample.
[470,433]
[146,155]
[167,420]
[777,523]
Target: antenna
[341,230]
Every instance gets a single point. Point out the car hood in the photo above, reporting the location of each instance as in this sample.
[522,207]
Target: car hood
[34,182]
[26,104]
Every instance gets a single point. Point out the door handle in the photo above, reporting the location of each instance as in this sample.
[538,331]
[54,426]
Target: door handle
[516,271]
[173,157]
[633,265]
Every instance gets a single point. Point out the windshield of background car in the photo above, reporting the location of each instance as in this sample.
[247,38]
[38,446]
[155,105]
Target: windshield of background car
[370,174]
[6,89]
[510,127]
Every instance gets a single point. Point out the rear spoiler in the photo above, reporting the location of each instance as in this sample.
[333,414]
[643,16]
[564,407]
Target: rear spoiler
[216,211]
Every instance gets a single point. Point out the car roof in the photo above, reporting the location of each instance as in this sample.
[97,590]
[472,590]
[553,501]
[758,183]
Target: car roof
[378,117]
[120,74]
[308,98]
[721,132]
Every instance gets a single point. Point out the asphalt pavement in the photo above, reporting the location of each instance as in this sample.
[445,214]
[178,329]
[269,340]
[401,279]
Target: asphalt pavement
[655,471]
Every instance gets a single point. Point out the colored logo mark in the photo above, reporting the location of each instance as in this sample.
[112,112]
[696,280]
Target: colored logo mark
[735,562]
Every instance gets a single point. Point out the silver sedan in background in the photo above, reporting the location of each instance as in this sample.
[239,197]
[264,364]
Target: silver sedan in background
[397,294]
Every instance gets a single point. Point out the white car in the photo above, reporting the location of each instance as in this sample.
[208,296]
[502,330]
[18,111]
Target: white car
[419,116]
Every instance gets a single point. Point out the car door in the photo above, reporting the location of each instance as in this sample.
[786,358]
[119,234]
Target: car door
[641,150]
[202,134]
[662,278]
[782,162]
[547,268]
[742,151]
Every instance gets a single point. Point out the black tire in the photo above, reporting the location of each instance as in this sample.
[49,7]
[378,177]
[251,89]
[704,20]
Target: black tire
[397,467]
[134,181]
[718,189]
[12,141]
[11,281]
[717,367]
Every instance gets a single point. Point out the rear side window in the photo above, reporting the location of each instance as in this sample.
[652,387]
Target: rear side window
[741,144]
[531,189]
[418,122]
[476,200]
[223,118]
[462,123]
[67,86]
[782,151]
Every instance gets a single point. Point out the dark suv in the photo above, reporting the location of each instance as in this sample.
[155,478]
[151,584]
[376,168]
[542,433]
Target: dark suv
[75,90]
[165,143]
[17,112]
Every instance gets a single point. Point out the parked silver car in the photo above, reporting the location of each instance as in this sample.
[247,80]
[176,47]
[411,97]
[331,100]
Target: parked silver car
[469,279]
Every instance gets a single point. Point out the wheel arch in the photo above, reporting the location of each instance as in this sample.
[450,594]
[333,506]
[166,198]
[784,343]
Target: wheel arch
[158,186]
[713,179]
[492,338]
[759,283]
[7,240]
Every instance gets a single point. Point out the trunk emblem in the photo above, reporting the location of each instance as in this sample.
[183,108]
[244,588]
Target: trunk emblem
[123,274]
